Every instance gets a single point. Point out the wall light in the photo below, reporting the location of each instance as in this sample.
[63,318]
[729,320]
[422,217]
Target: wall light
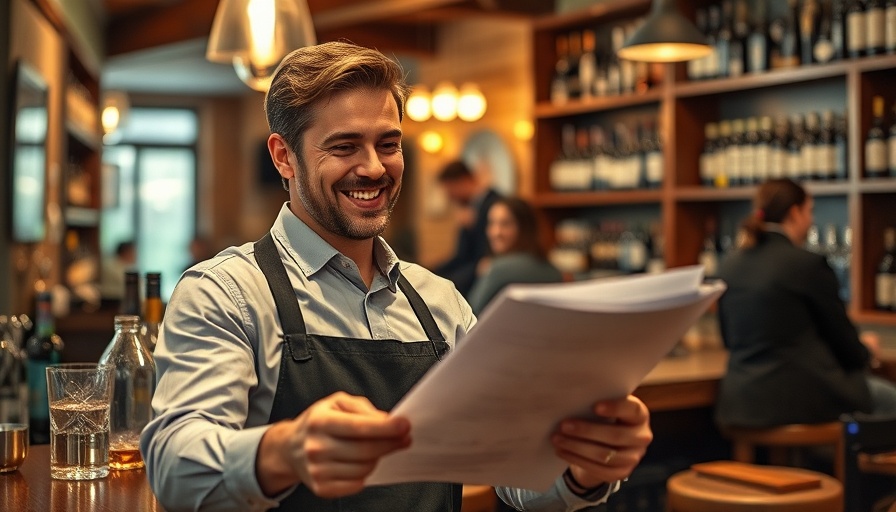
[419,107]
[470,102]
[665,36]
[431,142]
[444,101]
[254,35]
[116,107]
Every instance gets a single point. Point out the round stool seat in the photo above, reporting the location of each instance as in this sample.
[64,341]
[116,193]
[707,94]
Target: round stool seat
[478,498]
[689,491]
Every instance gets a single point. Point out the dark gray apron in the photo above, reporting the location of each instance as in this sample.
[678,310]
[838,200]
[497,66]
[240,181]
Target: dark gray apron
[313,367]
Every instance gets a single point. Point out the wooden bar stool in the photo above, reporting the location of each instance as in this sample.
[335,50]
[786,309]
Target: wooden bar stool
[781,440]
[695,490]
[478,498]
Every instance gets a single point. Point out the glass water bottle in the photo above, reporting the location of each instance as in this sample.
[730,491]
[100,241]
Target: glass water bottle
[131,407]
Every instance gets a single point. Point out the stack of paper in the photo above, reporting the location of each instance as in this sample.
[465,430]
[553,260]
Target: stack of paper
[539,354]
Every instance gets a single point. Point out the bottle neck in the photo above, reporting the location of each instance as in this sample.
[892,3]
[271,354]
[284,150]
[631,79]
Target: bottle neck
[153,310]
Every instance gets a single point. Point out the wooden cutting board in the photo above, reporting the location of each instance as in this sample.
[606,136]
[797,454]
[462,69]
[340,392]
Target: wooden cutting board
[776,478]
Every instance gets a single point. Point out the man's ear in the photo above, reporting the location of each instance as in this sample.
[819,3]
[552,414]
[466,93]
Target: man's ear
[280,155]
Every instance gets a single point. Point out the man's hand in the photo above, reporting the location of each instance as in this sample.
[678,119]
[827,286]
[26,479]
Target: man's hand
[331,447]
[608,448]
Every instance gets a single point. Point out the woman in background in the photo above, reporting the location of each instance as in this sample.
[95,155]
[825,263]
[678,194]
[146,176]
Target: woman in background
[517,257]
[795,356]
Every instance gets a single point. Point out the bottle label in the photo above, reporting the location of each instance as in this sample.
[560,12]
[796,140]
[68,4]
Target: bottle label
[891,144]
[654,167]
[706,171]
[855,32]
[757,53]
[762,161]
[891,28]
[876,35]
[884,290]
[876,156]
[807,160]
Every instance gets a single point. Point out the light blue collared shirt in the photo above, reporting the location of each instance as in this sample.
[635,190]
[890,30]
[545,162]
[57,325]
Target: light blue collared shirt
[218,360]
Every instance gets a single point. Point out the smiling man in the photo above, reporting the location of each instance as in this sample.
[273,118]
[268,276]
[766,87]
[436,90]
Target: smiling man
[277,360]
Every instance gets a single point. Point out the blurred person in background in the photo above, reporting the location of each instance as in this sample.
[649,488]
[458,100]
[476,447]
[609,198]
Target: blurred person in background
[473,196]
[112,281]
[795,356]
[516,254]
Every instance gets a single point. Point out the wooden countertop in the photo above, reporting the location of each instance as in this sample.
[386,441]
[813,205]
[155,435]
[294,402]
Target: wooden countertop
[686,381]
[30,489]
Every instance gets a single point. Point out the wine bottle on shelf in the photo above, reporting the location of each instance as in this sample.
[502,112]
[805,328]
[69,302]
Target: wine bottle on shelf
[709,253]
[573,84]
[840,148]
[876,142]
[808,150]
[562,166]
[627,68]
[885,279]
[891,145]
[587,65]
[748,151]
[856,26]
[707,164]
[711,68]
[876,27]
[152,311]
[844,263]
[787,50]
[725,36]
[559,90]
[795,148]
[737,51]
[813,240]
[614,67]
[696,67]
[43,349]
[838,30]
[13,376]
[779,152]
[808,16]
[653,157]
[757,41]
[733,158]
[131,406]
[826,150]
[763,150]
[723,162]
[823,48]
[890,31]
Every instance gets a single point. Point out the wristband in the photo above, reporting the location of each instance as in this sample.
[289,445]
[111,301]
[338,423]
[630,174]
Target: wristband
[585,493]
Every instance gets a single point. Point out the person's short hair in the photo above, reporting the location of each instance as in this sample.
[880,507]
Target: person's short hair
[455,171]
[313,72]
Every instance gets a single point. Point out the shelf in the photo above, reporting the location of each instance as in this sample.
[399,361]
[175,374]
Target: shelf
[709,194]
[588,199]
[774,78]
[81,120]
[875,317]
[82,217]
[878,185]
[546,110]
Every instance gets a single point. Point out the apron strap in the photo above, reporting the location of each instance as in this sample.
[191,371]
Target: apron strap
[272,266]
[421,310]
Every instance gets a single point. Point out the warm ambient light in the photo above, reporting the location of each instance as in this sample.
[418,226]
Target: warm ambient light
[254,35]
[115,110]
[523,130]
[418,106]
[431,142]
[471,103]
[444,102]
[666,36]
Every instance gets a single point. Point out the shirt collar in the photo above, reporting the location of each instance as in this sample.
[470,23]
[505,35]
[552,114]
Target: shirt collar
[316,252]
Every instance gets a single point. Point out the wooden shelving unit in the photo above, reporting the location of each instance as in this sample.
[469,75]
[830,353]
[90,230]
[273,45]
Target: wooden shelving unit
[682,109]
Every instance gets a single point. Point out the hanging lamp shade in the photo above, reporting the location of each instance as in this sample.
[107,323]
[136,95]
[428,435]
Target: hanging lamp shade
[666,36]
[254,35]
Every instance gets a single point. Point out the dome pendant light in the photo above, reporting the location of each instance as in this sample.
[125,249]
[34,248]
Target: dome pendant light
[254,35]
[666,36]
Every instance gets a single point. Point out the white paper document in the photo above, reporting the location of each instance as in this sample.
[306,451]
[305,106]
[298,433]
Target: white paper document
[539,354]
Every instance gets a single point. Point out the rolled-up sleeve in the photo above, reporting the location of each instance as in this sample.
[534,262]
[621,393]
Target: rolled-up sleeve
[199,450]
[557,499]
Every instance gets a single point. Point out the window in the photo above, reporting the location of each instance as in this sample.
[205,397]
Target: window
[155,204]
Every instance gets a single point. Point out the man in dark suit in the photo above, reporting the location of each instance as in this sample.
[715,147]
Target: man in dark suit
[469,192]
[795,356]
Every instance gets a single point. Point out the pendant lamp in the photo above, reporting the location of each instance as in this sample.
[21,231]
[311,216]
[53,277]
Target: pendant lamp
[254,35]
[666,36]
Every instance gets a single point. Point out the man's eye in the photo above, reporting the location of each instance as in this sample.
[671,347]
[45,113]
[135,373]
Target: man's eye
[343,149]
[390,147]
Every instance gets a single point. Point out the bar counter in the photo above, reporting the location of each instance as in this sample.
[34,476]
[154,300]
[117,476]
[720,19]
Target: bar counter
[30,489]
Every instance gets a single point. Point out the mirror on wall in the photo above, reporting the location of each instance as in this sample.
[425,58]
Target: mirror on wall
[28,154]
